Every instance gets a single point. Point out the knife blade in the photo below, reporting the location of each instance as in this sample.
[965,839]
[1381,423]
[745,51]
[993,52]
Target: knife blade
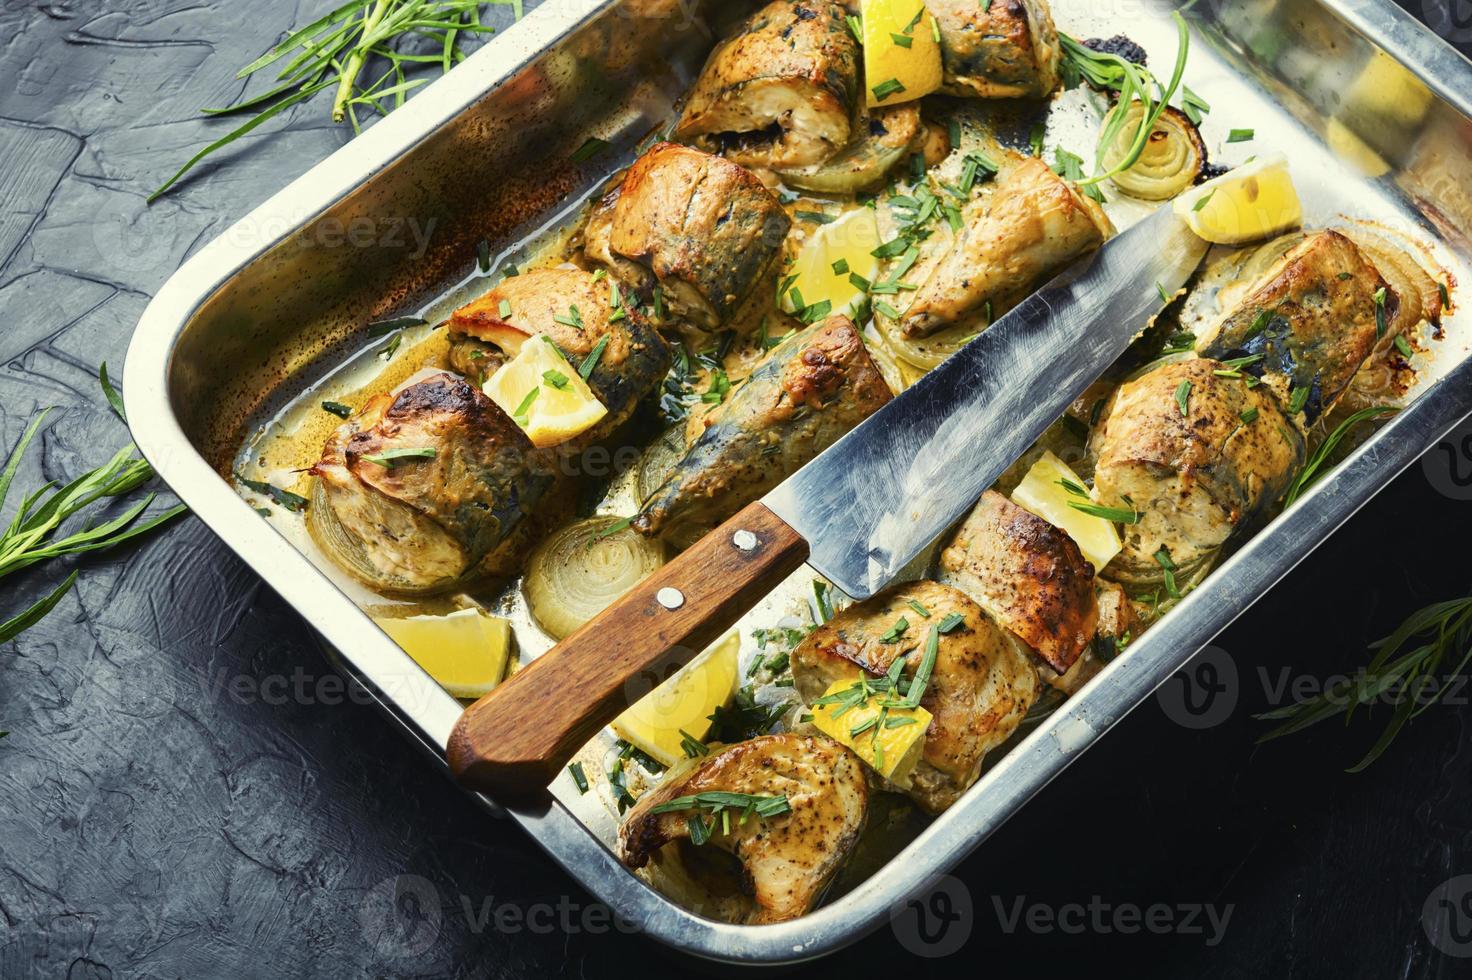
[882,494]
[858,513]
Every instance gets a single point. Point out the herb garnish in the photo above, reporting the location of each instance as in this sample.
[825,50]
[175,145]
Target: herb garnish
[333,52]
[1115,514]
[339,409]
[293,502]
[1310,471]
[1442,634]
[389,458]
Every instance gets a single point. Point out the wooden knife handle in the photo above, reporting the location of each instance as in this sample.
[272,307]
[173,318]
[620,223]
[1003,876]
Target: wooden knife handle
[516,739]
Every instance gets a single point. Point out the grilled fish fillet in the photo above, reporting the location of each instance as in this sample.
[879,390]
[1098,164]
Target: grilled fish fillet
[1194,477]
[982,685]
[1310,324]
[1027,574]
[486,333]
[425,523]
[704,227]
[782,92]
[1036,224]
[808,391]
[1008,49]
[787,860]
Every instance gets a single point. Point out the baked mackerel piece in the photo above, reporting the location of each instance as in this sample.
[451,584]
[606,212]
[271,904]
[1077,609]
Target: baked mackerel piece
[808,391]
[1309,325]
[1036,224]
[700,227]
[1028,574]
[782,92]
[1196,451]
[787,859]
[1007,49]
[580,314]
[981,687]
[432,487]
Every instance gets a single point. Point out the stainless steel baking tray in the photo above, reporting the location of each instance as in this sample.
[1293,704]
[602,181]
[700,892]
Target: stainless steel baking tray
[1374,110]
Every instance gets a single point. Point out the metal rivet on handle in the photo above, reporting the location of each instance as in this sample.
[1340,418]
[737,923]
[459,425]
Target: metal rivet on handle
[745,541]
[670,598]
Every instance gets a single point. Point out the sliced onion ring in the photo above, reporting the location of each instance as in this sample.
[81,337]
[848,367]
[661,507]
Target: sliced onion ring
[1170,162]
[583,569]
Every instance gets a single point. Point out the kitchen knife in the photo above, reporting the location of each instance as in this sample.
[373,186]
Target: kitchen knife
[858,513]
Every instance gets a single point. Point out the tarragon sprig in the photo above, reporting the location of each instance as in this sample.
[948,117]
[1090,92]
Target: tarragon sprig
[32,534]
[1439,638]
[335,51]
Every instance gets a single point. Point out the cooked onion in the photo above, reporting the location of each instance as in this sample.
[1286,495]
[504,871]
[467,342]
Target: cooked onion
[924,353]
[897,374]
[583,569]
[346,551]
[1170,162]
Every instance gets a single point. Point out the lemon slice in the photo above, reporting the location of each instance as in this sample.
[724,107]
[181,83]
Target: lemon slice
[1045,491]
[545,395]
[889,740]
[466,651]
[1254,201]
[829,259]
[684,702]
[901,52]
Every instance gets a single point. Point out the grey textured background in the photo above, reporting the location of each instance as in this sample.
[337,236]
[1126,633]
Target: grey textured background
[187,791]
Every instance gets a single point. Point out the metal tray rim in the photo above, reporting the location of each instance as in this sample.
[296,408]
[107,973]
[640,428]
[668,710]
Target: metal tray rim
[411,698]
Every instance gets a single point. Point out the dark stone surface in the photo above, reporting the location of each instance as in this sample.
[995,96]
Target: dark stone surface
[187,792]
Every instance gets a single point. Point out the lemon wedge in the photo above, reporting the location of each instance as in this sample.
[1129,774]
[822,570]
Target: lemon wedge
[1049,490]
[545,395]
[466,651]
[829,259]
[682,703]
[901,51]
[890,743]
[1254,201]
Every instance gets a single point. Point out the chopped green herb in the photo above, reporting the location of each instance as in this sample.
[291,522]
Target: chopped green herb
[556,379]
[573,318]
[1204,200]
[1240,135]
[283,498]
[918,608]
[840,268]
[504,309]
[1297,398]
[339,409]
[382,328]
[903,40]
[1183,397]
[520,415]
[1380,312]
[1249,416]
[1115,514]
[590,363]
[590,149]
[1168,569]
[886,88]
[579,778]
[389,458]
[896,631]
[950,622]
[1403,345]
